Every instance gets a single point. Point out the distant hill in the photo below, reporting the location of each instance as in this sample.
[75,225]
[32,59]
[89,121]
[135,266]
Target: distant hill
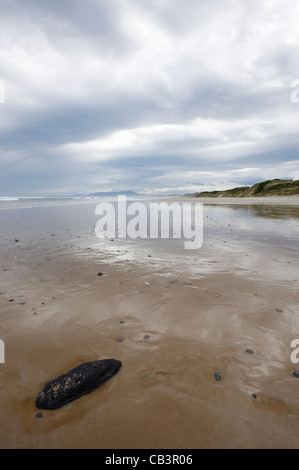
[109,194]
[275,187]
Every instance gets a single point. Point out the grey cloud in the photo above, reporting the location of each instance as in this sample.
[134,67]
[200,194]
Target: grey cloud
[67,20]
[116,66]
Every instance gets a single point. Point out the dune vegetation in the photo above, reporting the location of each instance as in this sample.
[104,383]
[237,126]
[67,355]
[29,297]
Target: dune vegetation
[275,187]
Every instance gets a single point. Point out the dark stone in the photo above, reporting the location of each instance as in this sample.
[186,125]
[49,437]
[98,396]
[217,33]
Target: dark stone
[279,310]
[296,374]
[253,395]
[146,336]
[218,376]
[76,382]
[249,351]
[39,415]
[100,274]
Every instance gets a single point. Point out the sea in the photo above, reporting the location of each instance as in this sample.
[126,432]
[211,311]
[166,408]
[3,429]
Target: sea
[257,238]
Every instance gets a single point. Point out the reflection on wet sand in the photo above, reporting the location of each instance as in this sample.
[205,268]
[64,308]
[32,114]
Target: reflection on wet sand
[203,335]
[268,211]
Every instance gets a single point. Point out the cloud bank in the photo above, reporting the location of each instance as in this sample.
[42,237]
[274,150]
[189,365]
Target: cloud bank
[151,96]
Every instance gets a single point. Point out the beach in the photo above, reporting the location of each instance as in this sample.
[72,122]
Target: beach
[173,317]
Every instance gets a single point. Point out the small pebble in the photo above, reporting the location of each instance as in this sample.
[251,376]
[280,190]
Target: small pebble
[120,338]
[296,374]
[121,321]
[171,282]
[218,376]
[11,300]
[100,274]
[253,395]
[249,351]
[146,337]
[39,415]
[279,310]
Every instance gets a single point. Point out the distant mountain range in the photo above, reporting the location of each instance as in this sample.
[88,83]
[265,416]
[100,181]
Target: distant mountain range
[108,194]
[275,187]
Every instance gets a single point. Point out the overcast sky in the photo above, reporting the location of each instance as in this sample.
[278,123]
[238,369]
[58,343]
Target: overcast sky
[147,95]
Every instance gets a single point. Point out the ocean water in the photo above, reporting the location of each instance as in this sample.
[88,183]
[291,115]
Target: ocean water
[250,237]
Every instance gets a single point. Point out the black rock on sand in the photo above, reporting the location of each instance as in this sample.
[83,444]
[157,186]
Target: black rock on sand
[76,382]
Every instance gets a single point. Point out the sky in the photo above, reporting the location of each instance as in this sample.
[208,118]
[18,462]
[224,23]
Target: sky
[157,97]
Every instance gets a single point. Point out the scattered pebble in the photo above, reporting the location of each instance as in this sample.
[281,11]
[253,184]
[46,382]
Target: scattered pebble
[100,274]
[147,283]
[146,377]
[11,300]
[253,395]
[171,282]
[296,374]
[146,337]
[121,321]
[120,338]
[218,376]
[249,351]
[39,415]
[279,310]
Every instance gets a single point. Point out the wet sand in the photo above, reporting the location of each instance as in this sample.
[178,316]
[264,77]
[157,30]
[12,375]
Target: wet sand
[172,318]
[272,200]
